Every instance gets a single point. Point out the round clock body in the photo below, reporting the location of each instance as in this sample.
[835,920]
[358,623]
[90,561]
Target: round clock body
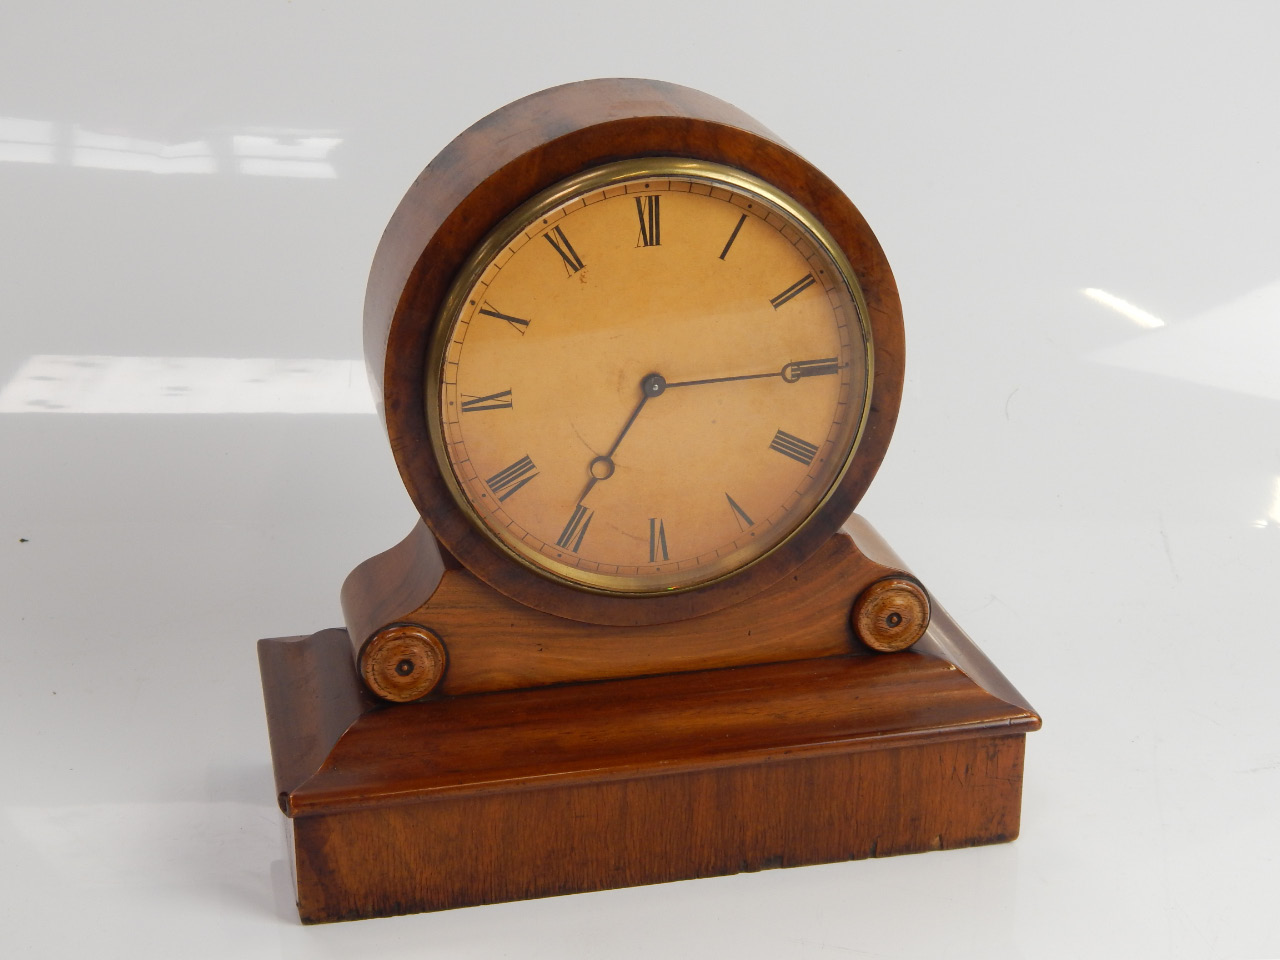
[636,358]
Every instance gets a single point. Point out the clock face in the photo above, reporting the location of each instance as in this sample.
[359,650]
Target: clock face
[650,377]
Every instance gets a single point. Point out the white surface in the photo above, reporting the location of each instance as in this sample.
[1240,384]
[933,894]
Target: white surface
[1095,499]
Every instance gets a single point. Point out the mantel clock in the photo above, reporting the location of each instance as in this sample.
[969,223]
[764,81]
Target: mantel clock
[638,361]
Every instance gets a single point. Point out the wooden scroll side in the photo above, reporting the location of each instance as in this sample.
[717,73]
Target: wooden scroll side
[495,643]
[944,638]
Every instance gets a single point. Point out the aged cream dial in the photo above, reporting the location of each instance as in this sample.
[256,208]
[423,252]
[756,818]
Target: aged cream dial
[649,377]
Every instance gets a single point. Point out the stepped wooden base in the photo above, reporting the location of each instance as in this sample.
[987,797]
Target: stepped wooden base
[563,789]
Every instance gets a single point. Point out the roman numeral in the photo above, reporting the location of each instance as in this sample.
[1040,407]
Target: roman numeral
[793,291]
[799,450]
[572,262]
[573,532]
[650,230]
[506,482]
[733,236]
[518,325]
[494,401]
[739,514]
[657,541]
[810,368]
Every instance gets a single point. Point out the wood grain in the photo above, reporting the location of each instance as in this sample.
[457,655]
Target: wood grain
[489,849]
[498,796]
[403,662]
[495,643]
[891,614]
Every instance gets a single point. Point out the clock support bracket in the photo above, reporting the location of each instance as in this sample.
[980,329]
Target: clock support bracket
[422,624]
[508,783]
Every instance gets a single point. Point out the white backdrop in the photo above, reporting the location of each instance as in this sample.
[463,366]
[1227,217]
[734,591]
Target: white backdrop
[1081,209]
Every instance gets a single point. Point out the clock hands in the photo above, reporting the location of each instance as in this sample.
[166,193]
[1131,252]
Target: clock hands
[654,385]
[601,468]
[790,373]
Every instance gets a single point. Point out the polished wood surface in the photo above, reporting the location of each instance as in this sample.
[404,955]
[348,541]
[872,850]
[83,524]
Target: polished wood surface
[491,169]
[307,681]
[891,614]
[403,662]
[477,799]
[495,643]
[561,739]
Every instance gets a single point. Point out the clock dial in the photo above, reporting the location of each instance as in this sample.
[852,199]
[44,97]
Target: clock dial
[651,382]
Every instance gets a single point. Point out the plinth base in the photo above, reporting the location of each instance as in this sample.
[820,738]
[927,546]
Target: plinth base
[531,793]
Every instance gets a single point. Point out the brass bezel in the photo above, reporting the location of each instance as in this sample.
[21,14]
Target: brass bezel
[542,203]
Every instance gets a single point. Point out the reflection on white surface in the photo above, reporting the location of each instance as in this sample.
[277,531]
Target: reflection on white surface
[110,152]
[88,384]
[1123,307]
[262,153]
[26,141]
[287,156]
[1273,514]
[1233,347]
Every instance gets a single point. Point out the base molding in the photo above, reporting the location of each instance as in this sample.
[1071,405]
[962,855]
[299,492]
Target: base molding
[529,793]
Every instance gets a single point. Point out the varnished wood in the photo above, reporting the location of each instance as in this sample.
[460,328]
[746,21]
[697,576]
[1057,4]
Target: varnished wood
[891,614]
[579,787]
[488,171]
[495,643]
[403,662]
[562,739]
[307,680]
[390,585]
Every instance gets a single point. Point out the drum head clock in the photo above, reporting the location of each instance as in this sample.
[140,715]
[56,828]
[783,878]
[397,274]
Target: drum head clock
[638,361]
[642,370]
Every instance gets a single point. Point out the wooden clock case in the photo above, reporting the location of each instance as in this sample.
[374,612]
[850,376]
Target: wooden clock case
[542,739]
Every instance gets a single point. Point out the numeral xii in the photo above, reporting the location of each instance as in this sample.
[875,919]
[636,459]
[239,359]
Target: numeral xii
[647,210]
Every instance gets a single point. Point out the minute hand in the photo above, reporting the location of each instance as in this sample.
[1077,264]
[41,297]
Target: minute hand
[790,372]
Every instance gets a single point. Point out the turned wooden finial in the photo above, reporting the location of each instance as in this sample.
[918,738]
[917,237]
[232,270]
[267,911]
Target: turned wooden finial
[891,614]
[403,662]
